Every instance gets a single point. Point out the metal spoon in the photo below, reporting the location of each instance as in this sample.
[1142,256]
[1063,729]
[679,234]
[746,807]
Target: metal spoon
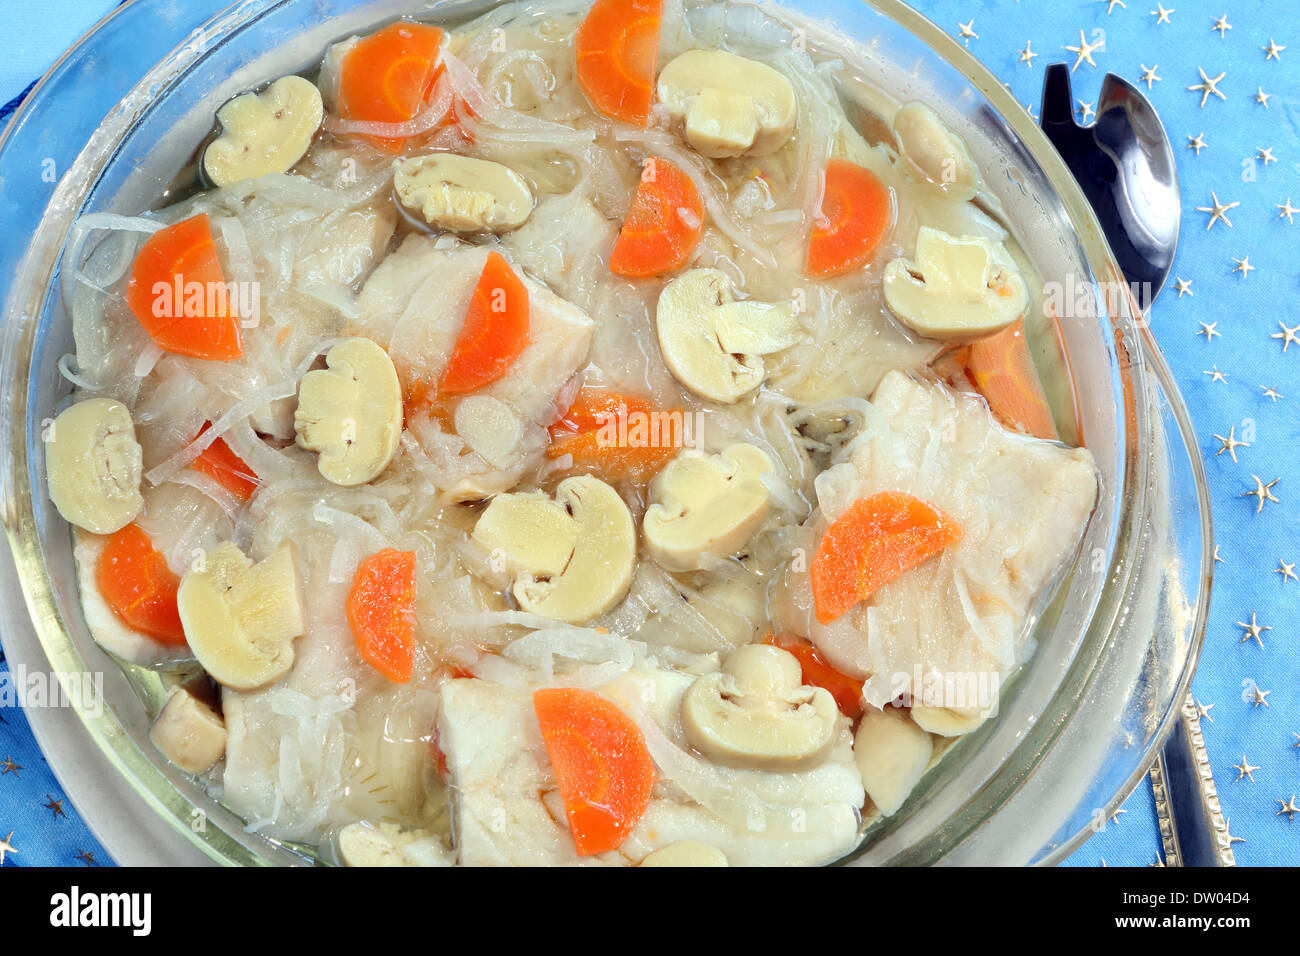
[1125,166]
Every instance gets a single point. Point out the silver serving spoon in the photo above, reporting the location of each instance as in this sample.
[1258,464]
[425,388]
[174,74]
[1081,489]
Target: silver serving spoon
[1125,166]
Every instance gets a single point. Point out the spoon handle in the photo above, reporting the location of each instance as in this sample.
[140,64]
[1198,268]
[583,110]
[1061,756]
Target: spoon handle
[1192,827]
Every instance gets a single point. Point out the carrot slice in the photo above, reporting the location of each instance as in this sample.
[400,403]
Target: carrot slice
[603,768]
[381,612]
[619,436]
[1002,370]
[817,671]
[230,471]
[856,214]
[139,586]
[873,542]
[178,293]
[495,330]
[663,225]
[618,48]
[387,77]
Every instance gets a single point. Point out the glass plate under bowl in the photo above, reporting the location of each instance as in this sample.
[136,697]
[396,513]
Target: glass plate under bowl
[1082,720]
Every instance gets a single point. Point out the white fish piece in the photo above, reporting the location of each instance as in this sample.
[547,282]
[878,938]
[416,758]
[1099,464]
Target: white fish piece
[958,620]
[415,302]
[110,631]
[333,741]
[508,810]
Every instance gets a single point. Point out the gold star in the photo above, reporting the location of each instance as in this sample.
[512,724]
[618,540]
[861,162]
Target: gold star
[1243,266]
[1264,492]
[1149,75]
[1027,55]
[55,806]
[1208,86]
[967,31]
[1203,711]
[1196,142]
[1288,211]
[1185,285]
[8,766]
[1272,392]
[1161,15]
[1227,831]
[1222,25]
[1272,50]
[1244,770]
[1286,335]
[1111,4]
[1258,696]
[1286,570]
[1085,51]
[1266,155]
[1262,97]
[1230,444]
[1216,375]
[1086,111]
[1253,630]
[1218,211]
[87,858]
[1290,808]
[1209,330]
[7,847]
[1217,559]
[1159,860]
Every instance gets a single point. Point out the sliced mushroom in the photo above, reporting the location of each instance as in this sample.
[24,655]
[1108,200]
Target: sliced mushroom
[947,721]
[93,464]
[264,133]
[491,428]
[686,853]
[704,504]
[463,194]
[572,558]
[713,344]
[351,412]
[958,287]
[728,105]
[188,732]
[241,618]
[935,152]
[364,844]
[892,753]
[757,712]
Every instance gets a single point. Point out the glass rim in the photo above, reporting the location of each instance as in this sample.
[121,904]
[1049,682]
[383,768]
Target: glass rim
[1145,370]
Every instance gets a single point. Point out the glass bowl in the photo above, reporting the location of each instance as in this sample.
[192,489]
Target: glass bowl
[117,120]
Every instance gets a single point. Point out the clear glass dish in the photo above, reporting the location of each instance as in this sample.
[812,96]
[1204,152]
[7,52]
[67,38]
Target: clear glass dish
[117,120]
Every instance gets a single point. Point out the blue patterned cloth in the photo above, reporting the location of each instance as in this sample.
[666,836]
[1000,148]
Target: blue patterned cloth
[1226,322]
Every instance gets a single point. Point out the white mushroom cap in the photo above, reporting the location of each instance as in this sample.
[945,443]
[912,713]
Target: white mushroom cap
[935,152]
[365,844]
[351,412]
[241,618]
[264,133]
[686,853]
[462,193]
[958,287]
[892,753]
[188,732]
[713,344]
[946,721]
[729,105]
[757,712]
[93,464]
[704,504]
[573,557]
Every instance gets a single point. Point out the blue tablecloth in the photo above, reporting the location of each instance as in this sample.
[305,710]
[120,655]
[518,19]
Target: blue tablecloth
[1227,324]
